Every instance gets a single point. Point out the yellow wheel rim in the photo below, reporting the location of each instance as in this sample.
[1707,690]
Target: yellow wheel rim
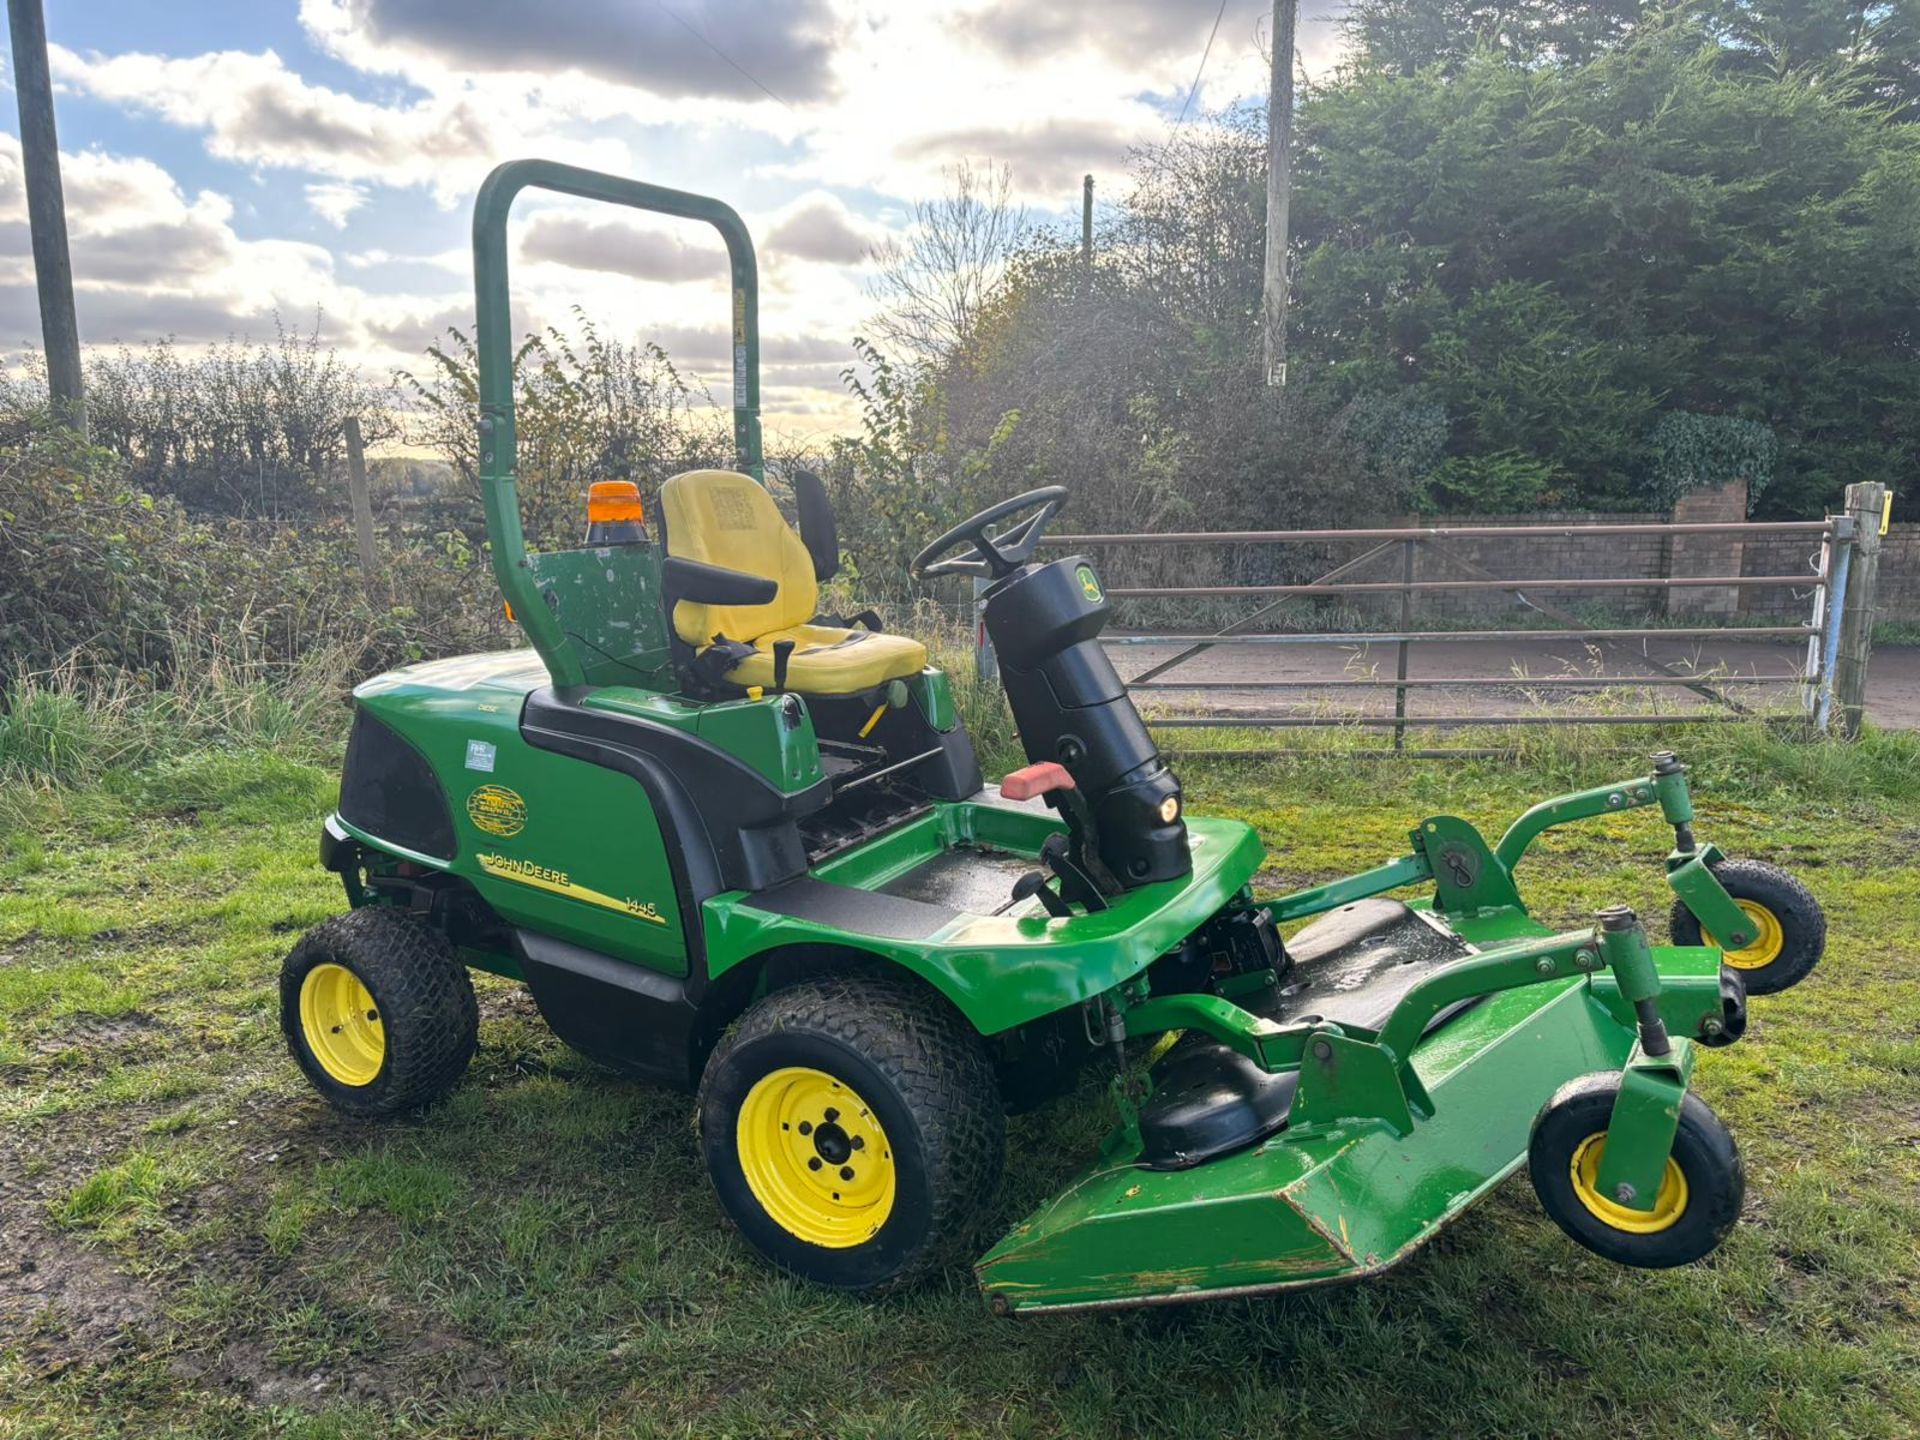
[816,1158]
[1771,939]
[341,1025]
[1668,1206]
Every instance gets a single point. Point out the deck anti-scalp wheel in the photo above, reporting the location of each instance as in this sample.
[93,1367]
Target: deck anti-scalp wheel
[378,1011]
[852,1131]
[1699,1197]
[1792,927]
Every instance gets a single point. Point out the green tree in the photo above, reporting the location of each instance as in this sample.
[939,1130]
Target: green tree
[1874,46]
[1136,381]
[1557,253]
[1403,36]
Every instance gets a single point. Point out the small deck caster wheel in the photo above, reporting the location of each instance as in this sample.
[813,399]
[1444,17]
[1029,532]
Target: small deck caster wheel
[1792,927]
[378,1011]
[1699,1197]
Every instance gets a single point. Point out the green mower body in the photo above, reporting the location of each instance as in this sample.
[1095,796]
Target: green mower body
[802,901]
[575,861]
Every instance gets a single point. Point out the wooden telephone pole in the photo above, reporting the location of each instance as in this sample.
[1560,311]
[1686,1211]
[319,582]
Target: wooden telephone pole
[1273,284]
[1086,221]
[47,211]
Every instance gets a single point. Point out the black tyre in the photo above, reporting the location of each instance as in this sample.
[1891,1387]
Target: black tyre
[1793,927]
[1699,1198]
[378,1011]
[852,1131]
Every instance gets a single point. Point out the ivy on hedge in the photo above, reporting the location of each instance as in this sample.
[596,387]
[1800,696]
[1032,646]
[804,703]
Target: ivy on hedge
[1699,452]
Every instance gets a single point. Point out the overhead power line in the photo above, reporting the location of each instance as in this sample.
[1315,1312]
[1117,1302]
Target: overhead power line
[728,60]
[1194,88]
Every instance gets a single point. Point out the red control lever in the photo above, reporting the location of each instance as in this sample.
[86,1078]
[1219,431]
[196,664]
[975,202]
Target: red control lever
[1036,780]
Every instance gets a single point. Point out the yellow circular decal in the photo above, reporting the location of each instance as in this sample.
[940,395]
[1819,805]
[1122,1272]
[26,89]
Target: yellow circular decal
[497,810]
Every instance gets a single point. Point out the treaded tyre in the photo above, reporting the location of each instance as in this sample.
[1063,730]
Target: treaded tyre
[1699,1197]
[853,1131]
[378,1011]
[1793,927]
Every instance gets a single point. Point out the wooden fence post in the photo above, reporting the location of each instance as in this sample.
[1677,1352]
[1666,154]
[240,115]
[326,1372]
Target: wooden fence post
[1864,503]
[362,501]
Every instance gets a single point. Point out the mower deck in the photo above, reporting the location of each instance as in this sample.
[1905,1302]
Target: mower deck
[1319,1203]
[1354,964]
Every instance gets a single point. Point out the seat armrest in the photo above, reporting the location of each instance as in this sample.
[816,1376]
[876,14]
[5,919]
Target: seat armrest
[704,584]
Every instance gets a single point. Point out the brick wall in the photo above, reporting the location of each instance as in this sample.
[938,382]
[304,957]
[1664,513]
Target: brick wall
[1530,557]
[1781,555]
[1628,556]
[1707,555]
[1898,597]
[1565,556]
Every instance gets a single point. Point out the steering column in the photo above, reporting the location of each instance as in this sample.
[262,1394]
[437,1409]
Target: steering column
[1126,827]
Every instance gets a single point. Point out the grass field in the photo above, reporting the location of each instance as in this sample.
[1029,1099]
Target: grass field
[190,1243]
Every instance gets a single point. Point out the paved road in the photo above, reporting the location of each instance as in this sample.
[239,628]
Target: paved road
[1761,674]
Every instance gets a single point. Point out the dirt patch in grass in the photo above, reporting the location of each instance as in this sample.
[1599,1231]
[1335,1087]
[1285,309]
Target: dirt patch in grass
[70,1303]
[100,1038]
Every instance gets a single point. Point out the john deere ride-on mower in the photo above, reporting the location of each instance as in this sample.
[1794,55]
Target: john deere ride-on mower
[744,849]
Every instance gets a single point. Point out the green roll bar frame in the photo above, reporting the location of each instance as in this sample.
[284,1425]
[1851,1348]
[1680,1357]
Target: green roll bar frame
[499,485]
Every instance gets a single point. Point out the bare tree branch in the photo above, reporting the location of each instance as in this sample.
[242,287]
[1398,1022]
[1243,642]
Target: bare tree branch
[934,282]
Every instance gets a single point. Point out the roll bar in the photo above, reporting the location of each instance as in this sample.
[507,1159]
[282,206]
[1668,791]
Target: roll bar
[499,487]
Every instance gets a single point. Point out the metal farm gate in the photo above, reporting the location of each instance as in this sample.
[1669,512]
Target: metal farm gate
[1830,544]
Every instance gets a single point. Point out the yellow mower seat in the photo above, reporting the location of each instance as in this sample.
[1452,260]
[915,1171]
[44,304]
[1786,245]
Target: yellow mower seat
[721,517]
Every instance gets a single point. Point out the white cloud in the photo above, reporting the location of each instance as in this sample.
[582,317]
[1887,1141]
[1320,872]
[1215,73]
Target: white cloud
[150,262]
[875,98]
[1129,31]
[334,200]
[1051,155]
[256,111]
[726,49]
[619,246]
[453,262]
[876,95]
[819,227]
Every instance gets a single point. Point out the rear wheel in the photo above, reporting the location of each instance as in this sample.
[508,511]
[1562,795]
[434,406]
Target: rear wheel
[1791,928]
[1699,1197]
[852,1130]
[378,1011]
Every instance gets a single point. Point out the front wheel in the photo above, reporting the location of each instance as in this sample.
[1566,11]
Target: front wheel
[1791,927]
[852,1131]
[378,1011]
[1699,1197]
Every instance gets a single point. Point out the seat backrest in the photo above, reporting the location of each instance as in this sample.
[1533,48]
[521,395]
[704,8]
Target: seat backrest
[722,517]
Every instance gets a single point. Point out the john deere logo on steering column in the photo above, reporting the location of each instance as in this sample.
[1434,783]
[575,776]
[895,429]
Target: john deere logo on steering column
[497,810]
[1089,585]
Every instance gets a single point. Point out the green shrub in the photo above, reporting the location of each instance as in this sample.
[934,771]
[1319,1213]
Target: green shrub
[585,408]
[92,567]
[238,428]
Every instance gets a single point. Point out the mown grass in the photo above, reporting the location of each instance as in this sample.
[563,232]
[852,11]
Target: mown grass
[196,1246]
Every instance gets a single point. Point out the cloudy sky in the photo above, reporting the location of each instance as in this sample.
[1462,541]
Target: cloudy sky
[227,160]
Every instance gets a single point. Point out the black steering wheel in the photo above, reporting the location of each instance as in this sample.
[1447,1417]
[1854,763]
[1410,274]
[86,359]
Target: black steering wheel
[994,556]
